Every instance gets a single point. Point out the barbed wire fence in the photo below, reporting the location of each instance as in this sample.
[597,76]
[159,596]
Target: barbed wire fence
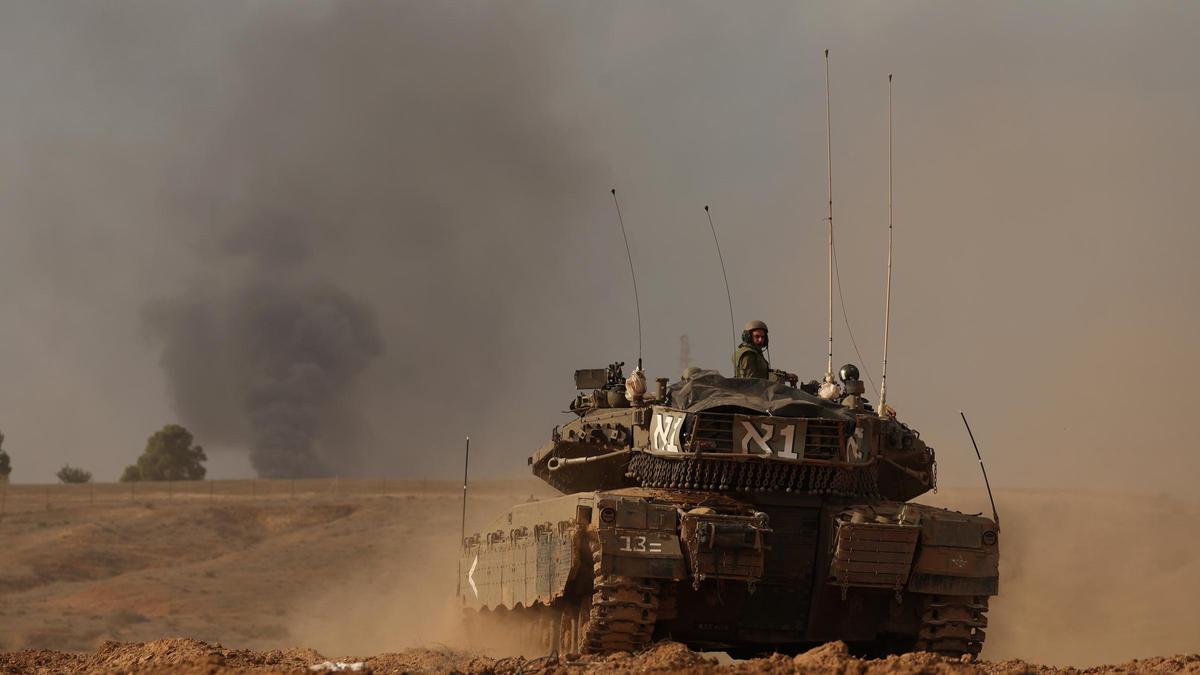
[29,497]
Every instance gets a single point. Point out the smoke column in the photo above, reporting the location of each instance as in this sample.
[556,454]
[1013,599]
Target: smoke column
[331,213]
[286,353]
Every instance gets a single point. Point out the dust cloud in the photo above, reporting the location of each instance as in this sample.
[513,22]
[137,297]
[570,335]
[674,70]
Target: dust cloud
[388,603]
[401,591]
[1088,578]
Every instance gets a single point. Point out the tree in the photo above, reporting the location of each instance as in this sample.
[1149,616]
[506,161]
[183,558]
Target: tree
[73,474]
[169,455]
[5,462]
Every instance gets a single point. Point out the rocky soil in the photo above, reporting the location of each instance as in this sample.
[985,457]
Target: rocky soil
[187,657]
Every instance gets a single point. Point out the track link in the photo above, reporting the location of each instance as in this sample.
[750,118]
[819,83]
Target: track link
[622,614]
[952,625]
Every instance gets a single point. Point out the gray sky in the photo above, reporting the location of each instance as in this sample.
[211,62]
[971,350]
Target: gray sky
[437,175]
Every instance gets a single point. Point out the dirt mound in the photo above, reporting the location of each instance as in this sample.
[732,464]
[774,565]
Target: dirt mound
[178,654]
[171,655]
[186,656]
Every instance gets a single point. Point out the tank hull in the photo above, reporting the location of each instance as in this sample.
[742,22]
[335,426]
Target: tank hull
[743,572]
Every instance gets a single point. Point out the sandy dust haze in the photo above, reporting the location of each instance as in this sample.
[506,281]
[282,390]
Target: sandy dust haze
[332,239]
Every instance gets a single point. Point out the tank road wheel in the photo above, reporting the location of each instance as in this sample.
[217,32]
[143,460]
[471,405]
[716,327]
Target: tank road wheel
[572,625]
[952,625]
[546,629]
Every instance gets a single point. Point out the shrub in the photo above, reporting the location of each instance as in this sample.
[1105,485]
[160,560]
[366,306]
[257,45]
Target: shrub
[73,474]
[169,455]
[5,462]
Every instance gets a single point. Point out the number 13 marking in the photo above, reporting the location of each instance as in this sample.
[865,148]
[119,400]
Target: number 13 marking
[630,544]
[639,545]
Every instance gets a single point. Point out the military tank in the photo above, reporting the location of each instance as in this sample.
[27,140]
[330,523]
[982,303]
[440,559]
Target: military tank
[736,514]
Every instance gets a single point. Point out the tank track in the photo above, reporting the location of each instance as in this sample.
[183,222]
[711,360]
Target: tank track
[704,473]
[952,625]
[623,613]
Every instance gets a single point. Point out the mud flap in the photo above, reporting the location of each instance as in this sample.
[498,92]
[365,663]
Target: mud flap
[721,546]
[873,555]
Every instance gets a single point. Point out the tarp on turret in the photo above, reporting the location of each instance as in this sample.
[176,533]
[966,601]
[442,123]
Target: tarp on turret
[709,389]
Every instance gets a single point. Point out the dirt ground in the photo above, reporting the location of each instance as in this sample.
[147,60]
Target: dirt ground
[187,657]
[1086,579]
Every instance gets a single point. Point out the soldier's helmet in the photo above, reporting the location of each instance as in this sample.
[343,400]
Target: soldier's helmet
[752,326]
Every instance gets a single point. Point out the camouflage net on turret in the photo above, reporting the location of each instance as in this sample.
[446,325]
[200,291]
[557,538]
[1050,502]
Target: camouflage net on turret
[706,473]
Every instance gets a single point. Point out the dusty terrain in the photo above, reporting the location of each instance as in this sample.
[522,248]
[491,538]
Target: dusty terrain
[185,656]
[1087,579]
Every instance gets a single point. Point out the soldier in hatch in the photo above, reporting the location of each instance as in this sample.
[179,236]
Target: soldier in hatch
[748,359]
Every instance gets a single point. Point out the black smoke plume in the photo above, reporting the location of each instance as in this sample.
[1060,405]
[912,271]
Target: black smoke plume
[371,174]
[284,354]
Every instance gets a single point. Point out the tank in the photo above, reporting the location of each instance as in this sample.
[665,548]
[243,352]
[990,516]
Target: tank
[733,514]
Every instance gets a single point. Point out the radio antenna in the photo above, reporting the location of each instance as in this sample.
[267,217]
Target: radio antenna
[636,302]
[829,162]
[887,303]
[995,516]
[466,465]
[728,295]
[463,530]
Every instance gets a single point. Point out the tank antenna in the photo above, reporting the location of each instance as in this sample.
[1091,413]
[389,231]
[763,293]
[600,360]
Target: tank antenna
[995,516]
[887,303]
[728,295]
[463,530]
[829,163]
[637,303]
[466,465]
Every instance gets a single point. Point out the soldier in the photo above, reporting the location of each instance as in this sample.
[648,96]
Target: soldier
[748,359]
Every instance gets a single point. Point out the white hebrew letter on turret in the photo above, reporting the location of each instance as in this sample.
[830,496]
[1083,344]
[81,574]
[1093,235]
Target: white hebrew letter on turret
[761,440]
[664,431]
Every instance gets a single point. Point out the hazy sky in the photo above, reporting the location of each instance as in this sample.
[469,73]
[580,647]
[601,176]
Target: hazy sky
[418,193]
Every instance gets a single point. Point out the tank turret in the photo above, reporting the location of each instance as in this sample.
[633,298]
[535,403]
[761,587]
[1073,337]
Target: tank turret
[710,432]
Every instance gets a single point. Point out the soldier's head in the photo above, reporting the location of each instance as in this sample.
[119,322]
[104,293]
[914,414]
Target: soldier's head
[755,333]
